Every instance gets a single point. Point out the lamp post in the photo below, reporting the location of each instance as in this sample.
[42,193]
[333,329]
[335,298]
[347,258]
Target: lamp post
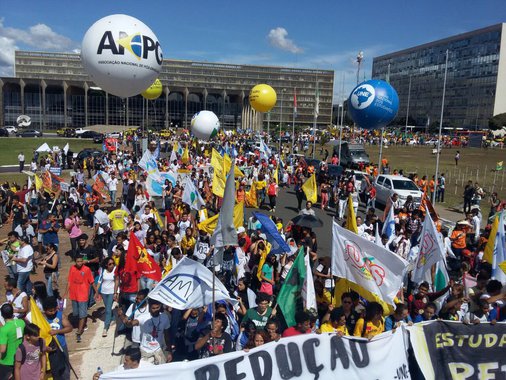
[281,119]
[438,147]
[407,108]
[360,57]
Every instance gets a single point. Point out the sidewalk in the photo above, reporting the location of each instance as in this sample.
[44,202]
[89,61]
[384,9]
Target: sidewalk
[448,214]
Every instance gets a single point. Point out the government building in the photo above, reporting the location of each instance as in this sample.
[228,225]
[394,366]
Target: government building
[55,91]
[476,78]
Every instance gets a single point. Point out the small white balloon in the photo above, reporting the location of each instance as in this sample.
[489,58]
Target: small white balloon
[205,125]
[122,55]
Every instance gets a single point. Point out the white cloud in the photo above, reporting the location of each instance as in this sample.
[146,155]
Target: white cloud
[278,38]
[39,37]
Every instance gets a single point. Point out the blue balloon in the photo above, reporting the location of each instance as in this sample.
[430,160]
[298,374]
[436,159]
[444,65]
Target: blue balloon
[373,104]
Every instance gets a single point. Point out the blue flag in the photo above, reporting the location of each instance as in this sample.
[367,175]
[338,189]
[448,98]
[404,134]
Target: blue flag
[270,230]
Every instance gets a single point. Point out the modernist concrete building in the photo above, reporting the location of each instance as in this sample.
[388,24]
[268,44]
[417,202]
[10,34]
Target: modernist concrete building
[476,80]
[54,90]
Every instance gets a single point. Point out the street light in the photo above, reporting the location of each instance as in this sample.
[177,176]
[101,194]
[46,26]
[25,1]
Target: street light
[360,57]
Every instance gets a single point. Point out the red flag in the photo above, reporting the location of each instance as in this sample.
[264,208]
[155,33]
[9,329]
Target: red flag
[101,187]
[146,265]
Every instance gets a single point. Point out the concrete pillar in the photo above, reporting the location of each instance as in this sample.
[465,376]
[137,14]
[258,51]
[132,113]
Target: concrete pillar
[65,87]
[43,88]
[22,88]
[2,114]
[167,92]
[106,108]
[186,93]
[205,93]
[86,88]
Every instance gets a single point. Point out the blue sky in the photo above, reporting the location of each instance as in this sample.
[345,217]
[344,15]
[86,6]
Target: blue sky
[311,34]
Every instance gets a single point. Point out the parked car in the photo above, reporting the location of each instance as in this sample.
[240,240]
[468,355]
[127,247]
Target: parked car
[165,133]
[30,133]
[11,129]
[66,132]
[386,185]
[90,134]
[80,131]
[98,139]
[4,132]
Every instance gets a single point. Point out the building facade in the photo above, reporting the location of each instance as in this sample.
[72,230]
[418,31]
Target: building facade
[55,91]
[476,78]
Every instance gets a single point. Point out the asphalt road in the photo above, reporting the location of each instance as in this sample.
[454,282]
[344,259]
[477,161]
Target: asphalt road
[286,209]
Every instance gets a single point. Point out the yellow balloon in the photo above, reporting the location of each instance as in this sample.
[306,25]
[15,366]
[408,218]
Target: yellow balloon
[153,91]
[262,97]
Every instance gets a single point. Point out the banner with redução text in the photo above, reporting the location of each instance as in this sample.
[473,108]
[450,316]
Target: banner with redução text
[454,350]
[308,356]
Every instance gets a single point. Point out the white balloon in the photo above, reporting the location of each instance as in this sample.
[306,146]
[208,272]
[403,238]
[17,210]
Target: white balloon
[205,125]
[121,55]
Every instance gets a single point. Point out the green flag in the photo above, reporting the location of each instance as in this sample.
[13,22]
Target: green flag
[291,290]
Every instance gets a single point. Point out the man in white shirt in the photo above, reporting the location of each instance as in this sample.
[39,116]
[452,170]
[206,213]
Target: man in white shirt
[25,229]
[136,315]
[21,159]
[132,360]
[24,265]
[113,187]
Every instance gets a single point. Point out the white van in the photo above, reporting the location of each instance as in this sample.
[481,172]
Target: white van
[386,185]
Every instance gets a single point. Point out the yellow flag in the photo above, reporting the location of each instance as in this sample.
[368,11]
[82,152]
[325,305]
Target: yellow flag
[263,257]
[251,197]
[38,183]
[219,177]
[309,188]
[175,147]
[276,175]
[488,256]
[185,158]
[39,320]
[227,162]
[209,224]
[351,219]
[343,285]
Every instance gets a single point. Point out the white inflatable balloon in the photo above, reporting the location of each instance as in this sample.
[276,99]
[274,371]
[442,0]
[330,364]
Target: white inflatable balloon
[205,125]
[121,55]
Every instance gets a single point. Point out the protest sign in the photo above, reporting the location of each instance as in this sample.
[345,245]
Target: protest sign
[307,356]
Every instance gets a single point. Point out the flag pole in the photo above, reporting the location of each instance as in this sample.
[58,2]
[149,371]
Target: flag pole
[293,117]
[438,147]
[381,150]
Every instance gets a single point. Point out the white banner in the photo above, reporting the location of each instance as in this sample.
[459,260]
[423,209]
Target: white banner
[308,356]
[432,250]
[189,285]
[368,265]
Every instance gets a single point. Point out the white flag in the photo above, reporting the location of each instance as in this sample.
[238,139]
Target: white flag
[361,261]
[225,233]
[308,292]
[191,195]
[149,164]
[189,285]
[66,148]
[431,250]
[389,225]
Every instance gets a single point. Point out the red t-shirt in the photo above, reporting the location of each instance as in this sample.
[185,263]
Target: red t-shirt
[79,283]
[292,331]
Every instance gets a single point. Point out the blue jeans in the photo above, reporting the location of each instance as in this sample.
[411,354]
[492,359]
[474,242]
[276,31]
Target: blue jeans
[49,282]
[108,300]
[24,283]
[113,196]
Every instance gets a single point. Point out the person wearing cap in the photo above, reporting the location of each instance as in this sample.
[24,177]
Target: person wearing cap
[458,237]
[24,265]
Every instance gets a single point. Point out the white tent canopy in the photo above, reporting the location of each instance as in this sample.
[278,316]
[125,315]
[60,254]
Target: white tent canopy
[44,148]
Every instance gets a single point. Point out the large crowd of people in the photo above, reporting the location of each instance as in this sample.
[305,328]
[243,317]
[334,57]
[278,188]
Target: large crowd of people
[96,219]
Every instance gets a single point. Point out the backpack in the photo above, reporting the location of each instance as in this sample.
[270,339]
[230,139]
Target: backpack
[22,348]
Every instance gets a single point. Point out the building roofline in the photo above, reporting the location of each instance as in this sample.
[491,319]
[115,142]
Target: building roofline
[442,41]
[225,65]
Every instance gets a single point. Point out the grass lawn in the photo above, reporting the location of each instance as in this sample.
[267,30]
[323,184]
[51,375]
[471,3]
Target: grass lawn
[11,146]
[475,164]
